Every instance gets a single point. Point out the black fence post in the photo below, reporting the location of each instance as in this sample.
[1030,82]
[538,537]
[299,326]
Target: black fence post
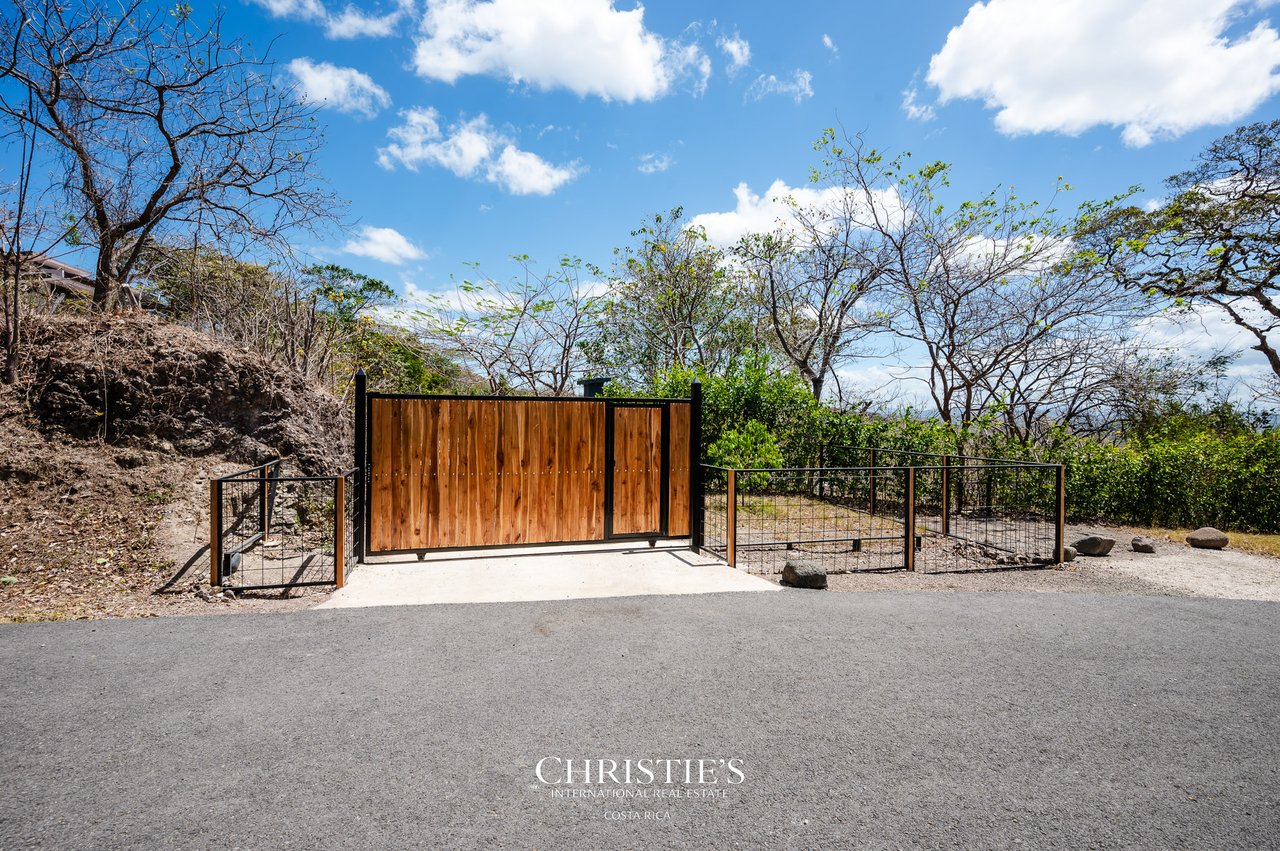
[909,521]
[357,522]
[695,467]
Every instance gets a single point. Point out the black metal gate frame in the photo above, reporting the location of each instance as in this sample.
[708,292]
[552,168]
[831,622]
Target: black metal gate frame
[269,483]
[364,446]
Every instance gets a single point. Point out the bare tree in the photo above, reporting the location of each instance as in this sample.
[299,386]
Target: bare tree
[530,335]
[993,293]
[164,128]
[817,277]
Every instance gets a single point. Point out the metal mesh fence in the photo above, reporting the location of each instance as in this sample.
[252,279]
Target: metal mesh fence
[988,516]
[963,514]
[283,531]
[818,515]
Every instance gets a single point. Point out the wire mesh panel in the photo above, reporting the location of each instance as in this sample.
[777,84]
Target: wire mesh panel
[822,516]
[980,516]
[932,513]
[284,531]
[244,500]
[715,507]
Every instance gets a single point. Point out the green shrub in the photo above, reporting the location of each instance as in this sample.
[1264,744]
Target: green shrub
[752,447]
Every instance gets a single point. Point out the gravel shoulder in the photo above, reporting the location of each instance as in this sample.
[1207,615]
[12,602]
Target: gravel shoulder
[1174,570]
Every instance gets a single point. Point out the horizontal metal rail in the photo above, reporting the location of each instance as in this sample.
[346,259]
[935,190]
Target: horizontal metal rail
[997,461]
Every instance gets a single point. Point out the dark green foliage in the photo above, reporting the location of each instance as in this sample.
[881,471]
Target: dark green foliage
[752,447]
[1179,467]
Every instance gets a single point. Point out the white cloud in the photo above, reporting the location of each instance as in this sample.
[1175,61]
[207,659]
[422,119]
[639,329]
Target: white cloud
[352,22]
[654,163]
[771,211]
[738,49]
[471,148]
[915,110]
[829,44]
[523,173]
[355,23]
[343,89]
[798,87]
[1155,68]
[385,244]
[585,46]
[307,10]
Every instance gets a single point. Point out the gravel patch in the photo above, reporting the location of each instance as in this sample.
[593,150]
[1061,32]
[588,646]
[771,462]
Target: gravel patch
[1174,570]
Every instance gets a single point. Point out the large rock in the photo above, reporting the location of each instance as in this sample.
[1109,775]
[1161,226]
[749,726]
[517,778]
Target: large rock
[1094,545]
[804,574]
[1068,554]
[1143,544]
[1207,538]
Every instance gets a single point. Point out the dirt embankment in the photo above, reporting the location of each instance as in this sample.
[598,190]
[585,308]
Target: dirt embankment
[109,439]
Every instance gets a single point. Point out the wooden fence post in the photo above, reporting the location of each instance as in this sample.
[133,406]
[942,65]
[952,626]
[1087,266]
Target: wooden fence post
[264,514]
[731,522]
[339,531]
[909,522]
[1060,527]
[215,532]
[946,494]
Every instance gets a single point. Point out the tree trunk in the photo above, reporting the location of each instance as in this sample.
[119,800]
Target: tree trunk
[106,281]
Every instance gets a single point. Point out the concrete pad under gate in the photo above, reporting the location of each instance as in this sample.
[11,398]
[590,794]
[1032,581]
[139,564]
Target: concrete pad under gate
[545,573]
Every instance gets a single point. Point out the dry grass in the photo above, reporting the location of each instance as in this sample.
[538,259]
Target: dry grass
[1249,542]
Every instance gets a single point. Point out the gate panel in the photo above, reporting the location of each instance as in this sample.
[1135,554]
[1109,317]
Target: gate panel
[637,470]
[448,473]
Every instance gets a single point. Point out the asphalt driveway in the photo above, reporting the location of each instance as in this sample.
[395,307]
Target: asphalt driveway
[844,720]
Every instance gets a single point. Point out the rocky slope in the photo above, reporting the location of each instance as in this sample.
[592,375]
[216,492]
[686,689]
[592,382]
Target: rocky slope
[107,443]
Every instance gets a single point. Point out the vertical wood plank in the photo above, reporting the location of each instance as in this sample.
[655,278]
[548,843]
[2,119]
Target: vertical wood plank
[678,486]
[215,533]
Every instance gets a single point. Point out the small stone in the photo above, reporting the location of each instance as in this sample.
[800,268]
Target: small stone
[1068,554]
[228,593]
[1143,544]
[1207,538]
[1094,545]
[804,574]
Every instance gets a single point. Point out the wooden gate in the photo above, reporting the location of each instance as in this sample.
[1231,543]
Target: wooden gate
[446,472]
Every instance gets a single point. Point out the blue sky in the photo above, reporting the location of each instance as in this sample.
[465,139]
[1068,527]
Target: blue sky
[630,110]
[464,131]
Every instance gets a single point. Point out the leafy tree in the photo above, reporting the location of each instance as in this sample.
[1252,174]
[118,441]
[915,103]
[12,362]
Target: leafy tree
[672,302]
[1216,240]
[166,130]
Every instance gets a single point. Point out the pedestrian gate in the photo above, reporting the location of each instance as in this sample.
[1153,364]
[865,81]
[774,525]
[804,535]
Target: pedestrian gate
[446,472]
